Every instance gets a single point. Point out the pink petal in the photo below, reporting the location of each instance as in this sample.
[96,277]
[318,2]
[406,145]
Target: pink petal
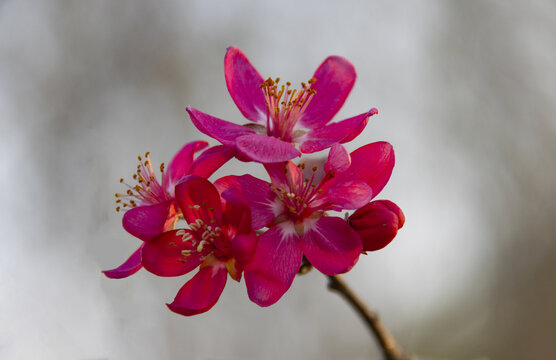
[237,214]
[265,149]
[265,205]
[243,82]
[243,248]
[163,255]
[331,245]
[372,163]
[335,79]
[211,160]
[194,190]
[145,222]
[128,268]
[350,195]
[340,132]
[274,266]
[338,159]
[377,223]
[281,173]
[359,128]
[221,130]
[224,183]
[181,162]
[201,292]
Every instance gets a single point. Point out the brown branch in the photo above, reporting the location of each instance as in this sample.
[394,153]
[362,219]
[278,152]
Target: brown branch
[386,342]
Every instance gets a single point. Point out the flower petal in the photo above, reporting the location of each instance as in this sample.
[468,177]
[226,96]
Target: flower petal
[281,173]
[243,82]
[377,223]
[335,79]
[274,266]
[237,214]
[341,132]
[128,268]
[356,130]
[194,190]
[145,222]
[211,160]
[221,130]
[181,162]
[265,149]
[350,195]
[164,254]
[331,245]
[372,163]
[338,159]
[201,292]
[243,248]
[265,205]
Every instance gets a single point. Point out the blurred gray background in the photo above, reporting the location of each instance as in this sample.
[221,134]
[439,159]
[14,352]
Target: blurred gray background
[466,95]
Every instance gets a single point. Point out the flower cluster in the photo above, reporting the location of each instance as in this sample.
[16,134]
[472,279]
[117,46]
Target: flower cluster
[264,230]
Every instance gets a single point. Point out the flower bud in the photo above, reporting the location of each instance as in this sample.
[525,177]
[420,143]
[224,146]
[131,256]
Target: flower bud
[377,223]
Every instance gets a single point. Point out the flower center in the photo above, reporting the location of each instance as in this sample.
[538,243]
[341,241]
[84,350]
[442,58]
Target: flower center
[147,191]
[285,106]
[299,195]
[213,239]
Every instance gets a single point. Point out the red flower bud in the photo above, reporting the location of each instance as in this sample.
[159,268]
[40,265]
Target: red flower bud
[377,223]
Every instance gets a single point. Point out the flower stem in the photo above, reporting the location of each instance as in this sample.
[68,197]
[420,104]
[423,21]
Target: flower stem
[385,340]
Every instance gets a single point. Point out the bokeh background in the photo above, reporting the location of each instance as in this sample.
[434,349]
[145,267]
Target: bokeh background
[466,93]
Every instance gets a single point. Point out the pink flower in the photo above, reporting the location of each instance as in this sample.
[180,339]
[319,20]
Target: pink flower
[282,116]
[293,207]
[377,223]
[150,206]
[219,241]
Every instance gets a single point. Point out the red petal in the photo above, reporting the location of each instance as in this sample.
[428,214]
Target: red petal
[335,79]
[265,149]
[372,163]
[377,223]
[276,261]
[243,248]
[243,82]
[331,245]
[181,162]
[128,268]
[237,214]
[264,204]
[211,160]
[201,292]
[340,132]
[350,195]
[338,159]
[221,130]
[194,190]
[163,255]
[145,222]
[356,130]
[281,173]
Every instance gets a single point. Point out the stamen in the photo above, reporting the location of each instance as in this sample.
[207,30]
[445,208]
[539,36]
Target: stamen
[285,106]
[147,191]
